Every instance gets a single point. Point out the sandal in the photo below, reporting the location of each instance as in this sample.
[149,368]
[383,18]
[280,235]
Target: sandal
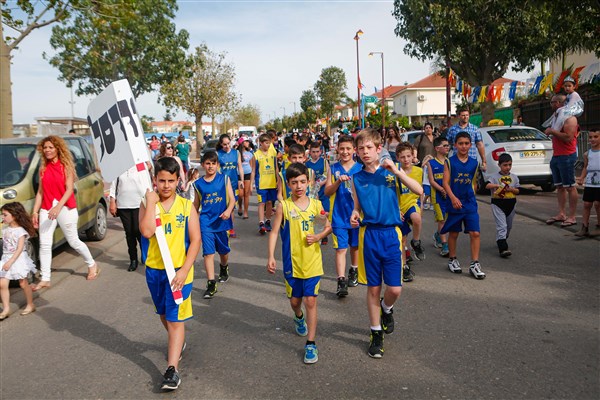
[40,285]
[553,220]
[566,223]
[3,316]
[92,276]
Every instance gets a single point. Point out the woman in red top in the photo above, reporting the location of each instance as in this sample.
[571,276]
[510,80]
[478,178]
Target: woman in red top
[55,204]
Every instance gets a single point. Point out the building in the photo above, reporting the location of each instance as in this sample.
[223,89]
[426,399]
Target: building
[61,126]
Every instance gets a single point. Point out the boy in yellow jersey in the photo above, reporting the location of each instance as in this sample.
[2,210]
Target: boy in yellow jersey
[296,154]
[301,253]
[410,205]
[182,230]
[264,175]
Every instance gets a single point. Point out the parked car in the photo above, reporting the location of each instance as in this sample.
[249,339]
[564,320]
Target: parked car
[410,136]
[208,146]
[19,181]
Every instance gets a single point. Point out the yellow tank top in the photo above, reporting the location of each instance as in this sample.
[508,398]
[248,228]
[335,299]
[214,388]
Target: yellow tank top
[265,176]
[408,198]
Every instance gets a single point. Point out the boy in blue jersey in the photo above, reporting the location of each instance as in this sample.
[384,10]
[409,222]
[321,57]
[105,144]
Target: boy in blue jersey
[377,211]
[320,166]
[339,190]
[297,216]
[460,171]
[182,233]
[438,194]
[230,161]
[214,197]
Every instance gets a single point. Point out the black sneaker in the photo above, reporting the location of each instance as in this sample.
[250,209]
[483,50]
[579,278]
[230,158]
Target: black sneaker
[211,289]
[353,277]
[325,241]
[268,225]
[407,274]
[387,321]
[171,379]
[418,249]
[261,228]
[376,344]
[224,273]
[342,287]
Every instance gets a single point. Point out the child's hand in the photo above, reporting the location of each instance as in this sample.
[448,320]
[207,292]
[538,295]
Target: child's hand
[344,178]
[178,280]
[579,180]
[225,215]
[151,198]
[456,203]
[310,239]
[389,165]
[355,219]
[271,265]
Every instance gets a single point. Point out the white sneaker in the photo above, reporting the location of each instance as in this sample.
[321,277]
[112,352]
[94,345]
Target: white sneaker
[475,270]
[454,266]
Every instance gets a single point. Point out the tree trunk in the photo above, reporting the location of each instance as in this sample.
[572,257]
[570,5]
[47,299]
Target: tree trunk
[487,112]
[6,117]
[199,136]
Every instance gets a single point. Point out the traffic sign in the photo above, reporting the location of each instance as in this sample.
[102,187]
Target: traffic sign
[370,99]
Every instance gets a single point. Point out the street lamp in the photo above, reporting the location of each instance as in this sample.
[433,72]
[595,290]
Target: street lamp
[359,84]
[283,108]
[294,103]
[371,54]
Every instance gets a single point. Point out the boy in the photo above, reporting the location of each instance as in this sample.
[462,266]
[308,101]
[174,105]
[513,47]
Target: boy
[410,202]
[439,199]
[264,175]
[182,232]
[339,190]
[296,154]
[216,200]
[320,167]
[459,177]
[287,142]
[504,188]
[301,253]
[590,176]
[376,200]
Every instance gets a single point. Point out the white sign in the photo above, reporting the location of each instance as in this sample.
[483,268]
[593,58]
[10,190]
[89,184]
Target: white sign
[116,130]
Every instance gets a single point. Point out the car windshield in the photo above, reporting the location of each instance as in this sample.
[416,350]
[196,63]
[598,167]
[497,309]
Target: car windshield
[516,135]
[211,144]
[14,162]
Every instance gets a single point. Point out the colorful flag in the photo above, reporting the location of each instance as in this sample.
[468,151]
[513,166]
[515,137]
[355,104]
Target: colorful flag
[512,91]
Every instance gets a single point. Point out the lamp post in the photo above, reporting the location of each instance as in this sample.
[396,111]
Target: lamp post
[283,108]
[356,38]
[382,93]
[294,103]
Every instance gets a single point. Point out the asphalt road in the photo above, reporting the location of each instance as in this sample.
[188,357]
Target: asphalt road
[529,330]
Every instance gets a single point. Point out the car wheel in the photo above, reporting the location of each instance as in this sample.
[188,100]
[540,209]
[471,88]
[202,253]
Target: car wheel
[481,184]
[98,230]
[548,187]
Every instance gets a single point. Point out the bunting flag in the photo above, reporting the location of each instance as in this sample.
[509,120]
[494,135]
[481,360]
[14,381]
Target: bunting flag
[536,86]
[498,93]
[490,93]
[512,91]
[476,91]
[375,87]
[482,94]
[360,85]
[545,84]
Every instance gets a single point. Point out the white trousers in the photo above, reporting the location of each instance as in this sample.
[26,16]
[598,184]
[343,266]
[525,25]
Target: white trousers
[67,220]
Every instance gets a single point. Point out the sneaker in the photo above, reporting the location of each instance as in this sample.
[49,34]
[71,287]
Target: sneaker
[445,251]
[437,240]
[301,328]
[407,274]
[182,350]
[311,354]
[324,241]
[171,379]
[353,277]
[211,289]
[268,225]
[418,249]
[505,253]
[475,270]
[376,344]
[232,233]
[342,287]
[223,273]
[387,321]
[454,266]
[261,228]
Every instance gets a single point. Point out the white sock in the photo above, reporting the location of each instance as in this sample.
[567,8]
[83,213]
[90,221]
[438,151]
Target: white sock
[376,328]
[386,309]
[354,267]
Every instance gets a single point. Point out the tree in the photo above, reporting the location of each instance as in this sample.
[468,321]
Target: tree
[248,115]
[35,18]
[330,89]
[111,40]
[146,123]
[206,88]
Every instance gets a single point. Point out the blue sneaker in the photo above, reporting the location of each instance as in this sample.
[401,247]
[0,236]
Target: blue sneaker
[268,225]
[445,251]
[311,354]
[437,240]
[301,328]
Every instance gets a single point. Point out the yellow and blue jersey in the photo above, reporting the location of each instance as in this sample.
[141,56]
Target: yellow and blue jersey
[265,171]
[437,170]
[462,181]
[300,260]
[213,202]
[378,194]
[229,166]
[408,198]
[341,203]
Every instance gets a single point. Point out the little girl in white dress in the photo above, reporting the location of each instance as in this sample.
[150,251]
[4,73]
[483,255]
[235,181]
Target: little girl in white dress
[15,263]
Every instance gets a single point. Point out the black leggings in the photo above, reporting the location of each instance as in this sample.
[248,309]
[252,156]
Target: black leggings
[130,219]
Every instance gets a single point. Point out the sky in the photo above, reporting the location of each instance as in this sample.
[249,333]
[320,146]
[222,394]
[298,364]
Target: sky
[278,49]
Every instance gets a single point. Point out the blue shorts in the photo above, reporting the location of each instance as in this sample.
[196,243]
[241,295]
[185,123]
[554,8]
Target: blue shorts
[264,195]
[345,237]
[298,288]
[215,242]
[407,223]
[162,297]
[440,210]
[563,170]
[427,190]
[380,255]
[454,222]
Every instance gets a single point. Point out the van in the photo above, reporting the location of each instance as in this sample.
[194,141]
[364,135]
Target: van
[248,131]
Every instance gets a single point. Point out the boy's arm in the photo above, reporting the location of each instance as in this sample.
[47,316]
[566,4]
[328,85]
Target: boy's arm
[409,182]
[147,215]
[192,252]
[433,183]
[271,263]
[332,187]
[355,217]
[231,196]
[280,188]
[455,201]
[581,177]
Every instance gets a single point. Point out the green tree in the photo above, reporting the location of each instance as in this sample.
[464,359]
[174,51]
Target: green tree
[248,115]
[116,39]
[28,16]
[146,120]
[330,89]
[206,88]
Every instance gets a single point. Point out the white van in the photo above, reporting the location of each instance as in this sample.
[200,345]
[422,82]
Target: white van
[249,131]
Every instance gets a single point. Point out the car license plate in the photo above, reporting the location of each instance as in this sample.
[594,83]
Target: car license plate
[532,154]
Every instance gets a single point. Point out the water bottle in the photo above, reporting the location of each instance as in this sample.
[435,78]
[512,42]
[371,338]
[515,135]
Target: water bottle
[314,190]
[319,223]
[384,155]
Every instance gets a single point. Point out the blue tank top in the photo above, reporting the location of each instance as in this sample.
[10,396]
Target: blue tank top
[319,168]
[341,202]
[462,179]
[229,166]
[246,157]
[213,202]
[437,170]
[379,197]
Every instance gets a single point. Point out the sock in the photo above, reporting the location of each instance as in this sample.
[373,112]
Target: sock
[385,308]
[310,342]
[267,221]
[223,266]
[261,222]
[299,317]
[355,267]
[341,277]
[376,327]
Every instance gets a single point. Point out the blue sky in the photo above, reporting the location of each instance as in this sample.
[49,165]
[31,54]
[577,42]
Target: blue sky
[278,49]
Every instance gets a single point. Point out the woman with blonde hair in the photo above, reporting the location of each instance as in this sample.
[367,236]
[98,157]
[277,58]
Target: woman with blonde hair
[55,205]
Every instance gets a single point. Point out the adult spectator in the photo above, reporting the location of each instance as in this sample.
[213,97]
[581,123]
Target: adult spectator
[562,164]
[125,196]
[167,150]
[392,141]
[424,143]
[154,146]
[55,205]
[464,125]
[182,149]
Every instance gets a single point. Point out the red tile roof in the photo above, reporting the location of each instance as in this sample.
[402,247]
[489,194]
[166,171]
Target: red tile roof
[389,91]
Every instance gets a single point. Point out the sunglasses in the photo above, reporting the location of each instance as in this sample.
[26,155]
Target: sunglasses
[169,147]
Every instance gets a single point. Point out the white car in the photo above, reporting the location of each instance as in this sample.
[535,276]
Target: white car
[530,149]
